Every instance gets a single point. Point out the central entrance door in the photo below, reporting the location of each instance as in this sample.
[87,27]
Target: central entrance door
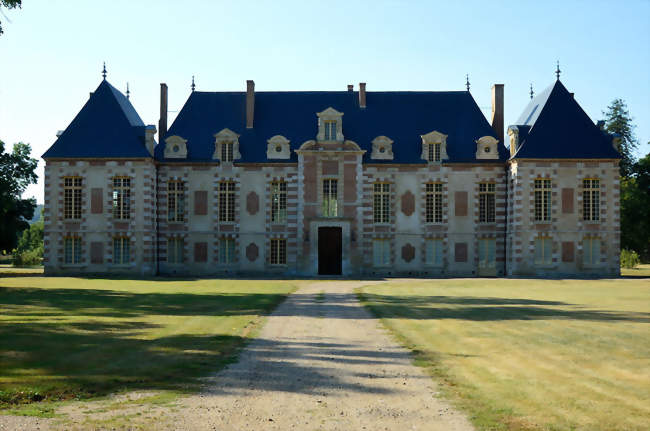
[330,250]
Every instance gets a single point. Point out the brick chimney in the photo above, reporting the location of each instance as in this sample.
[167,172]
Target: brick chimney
[162,123]
[497,111]
[350,87]
[250,103]
[362,95]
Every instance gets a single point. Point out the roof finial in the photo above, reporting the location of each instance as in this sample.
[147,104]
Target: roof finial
[128,93]
[104,72]
[557,70]
[532,93]
[193,86]
[467,81]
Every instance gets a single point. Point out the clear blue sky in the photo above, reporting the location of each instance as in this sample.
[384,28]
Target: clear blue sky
[52,51]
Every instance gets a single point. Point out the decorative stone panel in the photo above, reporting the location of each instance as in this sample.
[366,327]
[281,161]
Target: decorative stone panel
[567,201]
[252,203]
[460,202]
[201,202]
[96,198]
[408,252]
[200,252]
[460,252]
[568,254]
[252,252]
[97,252]
[408,203]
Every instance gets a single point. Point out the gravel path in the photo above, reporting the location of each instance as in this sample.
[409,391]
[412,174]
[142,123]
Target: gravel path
[321,362]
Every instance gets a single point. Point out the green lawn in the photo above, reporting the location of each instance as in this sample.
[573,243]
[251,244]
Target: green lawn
[68,338]
[529,354]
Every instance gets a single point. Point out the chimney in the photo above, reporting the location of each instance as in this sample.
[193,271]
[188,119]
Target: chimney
[250,103]
[162,123]
[350,87]
[573,95]
[497,111]
[149,132]
[362,95]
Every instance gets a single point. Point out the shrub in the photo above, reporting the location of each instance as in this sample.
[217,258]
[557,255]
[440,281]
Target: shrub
[28,258]
[629,258]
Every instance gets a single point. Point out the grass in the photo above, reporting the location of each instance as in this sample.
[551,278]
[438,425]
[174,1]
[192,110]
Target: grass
[76,338]
[642,270]
[529,354]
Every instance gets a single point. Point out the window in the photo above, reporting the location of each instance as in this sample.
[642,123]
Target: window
[226,250]
[591,250]
[227,152]
[72,197]
[121,198]
[486,253]
[330,198]
[175,250]
[278,202]
[330,130]
[278,252]
[433,252]
[433,204]
[542,200]
[591,199]
[175,200]
[381,252]
[121,250]
[543,246]
[72,250]
[487,209]
[227,201]
[381,203]
[434,152]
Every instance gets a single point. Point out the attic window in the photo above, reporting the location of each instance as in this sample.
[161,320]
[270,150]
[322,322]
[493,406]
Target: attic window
[330,126]
[226,146]
[382,148]
[434,147]
[434,152]
[330,130]
[486,148]
[226,152]
[278,148]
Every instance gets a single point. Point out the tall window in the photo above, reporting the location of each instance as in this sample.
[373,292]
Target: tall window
[542,200]
[278,251]
[227,201]
[433,252]
[175,200]
[330,198]
[72,250]
[381,252]
[278,202]
[591,199]
[486,196]
[72,197]
[121,198]
[543,250]
[330,130]
[487,253]
[226,151]
[434,152]
[121,250]
[433,204]
[591,250]
[226,250]
[381,203]
[175,250]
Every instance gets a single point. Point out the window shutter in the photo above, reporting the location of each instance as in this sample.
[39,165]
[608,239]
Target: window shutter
[200,202]
[96,201]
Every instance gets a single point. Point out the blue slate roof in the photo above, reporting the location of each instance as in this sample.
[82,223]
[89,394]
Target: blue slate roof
[402,116]
[106,127]
[556,127]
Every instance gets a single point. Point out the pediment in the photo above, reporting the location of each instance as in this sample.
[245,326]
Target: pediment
[329,113]
[226,134]
[434,137]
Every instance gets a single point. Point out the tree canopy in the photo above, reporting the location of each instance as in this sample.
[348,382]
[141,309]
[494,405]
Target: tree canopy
[635,209]
[10,4]
[17,171]
[618,121]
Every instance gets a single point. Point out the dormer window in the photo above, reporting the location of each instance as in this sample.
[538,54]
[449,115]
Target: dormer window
[226,146]
[226,152]
[434,147]
[175,147]
[486,148]
[278,148]
[330,130]
[330,125]
[382,148]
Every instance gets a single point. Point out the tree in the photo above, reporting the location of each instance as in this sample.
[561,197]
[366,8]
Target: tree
[10,4]
[618,121]
[635,209]
[17,171]
[29,250]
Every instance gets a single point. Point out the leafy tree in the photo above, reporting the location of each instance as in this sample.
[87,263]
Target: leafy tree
[29,250]
[618,121]
[17,171]
[10,4]
[635,209]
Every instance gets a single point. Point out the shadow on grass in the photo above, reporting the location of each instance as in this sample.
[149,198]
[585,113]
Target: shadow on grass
[488,309]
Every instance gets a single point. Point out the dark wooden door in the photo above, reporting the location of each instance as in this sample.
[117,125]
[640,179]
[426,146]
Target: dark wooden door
[329,250]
